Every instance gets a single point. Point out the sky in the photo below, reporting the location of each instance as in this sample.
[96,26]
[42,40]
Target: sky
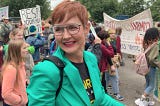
[54,3]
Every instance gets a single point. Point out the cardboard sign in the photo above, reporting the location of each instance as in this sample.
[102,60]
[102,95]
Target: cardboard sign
[4,12]
[31,18]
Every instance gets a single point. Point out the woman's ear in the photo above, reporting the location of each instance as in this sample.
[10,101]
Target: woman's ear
[87,28]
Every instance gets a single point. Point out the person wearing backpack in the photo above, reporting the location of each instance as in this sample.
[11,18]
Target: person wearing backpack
[81,84]
[107,54]
[151,36]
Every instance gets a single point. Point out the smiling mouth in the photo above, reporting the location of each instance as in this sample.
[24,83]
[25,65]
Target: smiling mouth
[69,44]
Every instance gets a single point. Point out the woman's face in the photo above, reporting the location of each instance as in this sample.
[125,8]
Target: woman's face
[19,35]
[112,35]
[24,50]
[70,35]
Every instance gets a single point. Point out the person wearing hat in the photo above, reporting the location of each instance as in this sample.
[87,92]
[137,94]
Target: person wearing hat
[35,39]
[5,28]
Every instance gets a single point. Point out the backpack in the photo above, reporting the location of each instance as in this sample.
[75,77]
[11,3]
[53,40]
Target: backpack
[141,62]
[58,62]
[96,49]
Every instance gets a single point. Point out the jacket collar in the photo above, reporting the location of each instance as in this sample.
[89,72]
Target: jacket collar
[74,77]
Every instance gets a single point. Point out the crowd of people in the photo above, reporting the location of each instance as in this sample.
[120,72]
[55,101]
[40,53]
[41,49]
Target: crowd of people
[91,61]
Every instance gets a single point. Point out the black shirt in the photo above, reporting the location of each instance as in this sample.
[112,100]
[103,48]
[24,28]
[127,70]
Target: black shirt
[83,70]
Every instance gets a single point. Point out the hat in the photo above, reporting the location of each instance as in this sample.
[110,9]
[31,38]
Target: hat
[5,18]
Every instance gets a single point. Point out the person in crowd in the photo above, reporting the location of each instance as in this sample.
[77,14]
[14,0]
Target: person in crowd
[118,44]
[51,39]
[115,60]
[14,75]
[43,24]
[46,33]
[151,36]
[1,62]
[81,84]
[21,25]
[107,53]
[37,41]
[17,34]
[106,65]
[89,41]
[5,28]
[53,46]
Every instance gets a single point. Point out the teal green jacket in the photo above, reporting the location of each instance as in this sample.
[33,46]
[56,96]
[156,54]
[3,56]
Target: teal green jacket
[45,79]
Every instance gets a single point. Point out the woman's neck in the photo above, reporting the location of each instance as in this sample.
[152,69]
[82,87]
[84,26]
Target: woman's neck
[76,58]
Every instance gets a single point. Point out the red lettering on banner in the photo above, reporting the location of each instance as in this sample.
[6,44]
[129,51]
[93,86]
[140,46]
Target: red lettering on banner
[140,26]
[110,24]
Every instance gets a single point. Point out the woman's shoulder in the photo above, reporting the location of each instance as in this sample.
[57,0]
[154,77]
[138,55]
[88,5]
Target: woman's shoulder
[89,55]
[46,67]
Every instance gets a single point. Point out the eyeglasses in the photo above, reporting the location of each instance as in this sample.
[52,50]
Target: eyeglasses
[71,29]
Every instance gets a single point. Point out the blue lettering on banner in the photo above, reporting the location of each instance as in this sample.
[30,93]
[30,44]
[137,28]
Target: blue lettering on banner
[132,47]
[123,46]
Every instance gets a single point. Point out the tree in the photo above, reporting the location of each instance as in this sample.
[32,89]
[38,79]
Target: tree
[155,10]
[131,7]
[16,5]
[97,7]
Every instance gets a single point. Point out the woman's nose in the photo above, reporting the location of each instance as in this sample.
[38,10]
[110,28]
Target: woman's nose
[66,33]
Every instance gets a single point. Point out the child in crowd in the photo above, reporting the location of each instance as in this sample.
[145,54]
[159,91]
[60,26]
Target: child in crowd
[151,36]
[37,41]
[14,75]
[17,34]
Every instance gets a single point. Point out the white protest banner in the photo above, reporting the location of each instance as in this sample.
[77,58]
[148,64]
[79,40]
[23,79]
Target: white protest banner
[4,12]
[133,30]
[31,18]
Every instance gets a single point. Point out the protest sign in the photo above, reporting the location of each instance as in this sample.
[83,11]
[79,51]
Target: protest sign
[133,30]
[4,12]
[31,18]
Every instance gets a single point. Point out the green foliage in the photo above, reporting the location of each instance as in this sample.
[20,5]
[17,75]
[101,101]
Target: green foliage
[16,5]
[155,8]
[131,7]
[97,7]
[113,8]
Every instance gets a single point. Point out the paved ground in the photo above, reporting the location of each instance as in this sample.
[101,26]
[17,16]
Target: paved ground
[132,84]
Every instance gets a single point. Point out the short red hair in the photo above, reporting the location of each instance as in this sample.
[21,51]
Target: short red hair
[70,9]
